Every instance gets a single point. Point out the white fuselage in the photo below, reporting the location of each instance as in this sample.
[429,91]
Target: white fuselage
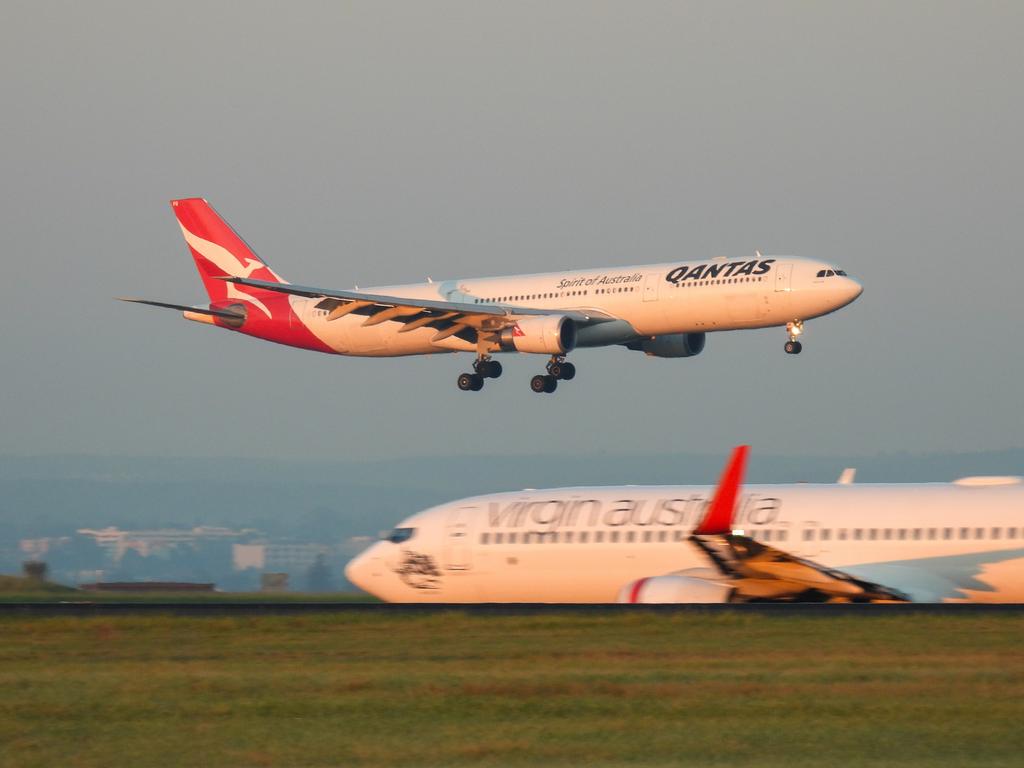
[936,542]
[647,300]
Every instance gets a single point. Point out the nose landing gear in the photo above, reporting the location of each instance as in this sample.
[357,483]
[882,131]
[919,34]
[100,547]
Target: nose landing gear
[557,368]
[794,328]
[484,368]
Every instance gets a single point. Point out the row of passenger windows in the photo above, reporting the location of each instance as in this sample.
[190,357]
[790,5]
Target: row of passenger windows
[579,537]
[913,534]
[556,295]
[760,534]
[721,281]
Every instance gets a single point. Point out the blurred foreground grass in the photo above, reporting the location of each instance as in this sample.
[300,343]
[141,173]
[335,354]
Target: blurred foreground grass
[454,689]
[15,589]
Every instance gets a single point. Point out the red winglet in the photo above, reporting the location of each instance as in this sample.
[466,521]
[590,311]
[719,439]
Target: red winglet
[718,519]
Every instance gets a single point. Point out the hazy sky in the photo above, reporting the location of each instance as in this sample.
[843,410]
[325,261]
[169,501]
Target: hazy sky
[377,143]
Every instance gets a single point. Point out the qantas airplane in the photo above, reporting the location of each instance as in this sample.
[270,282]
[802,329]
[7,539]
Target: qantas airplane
[935,542]
[663,310]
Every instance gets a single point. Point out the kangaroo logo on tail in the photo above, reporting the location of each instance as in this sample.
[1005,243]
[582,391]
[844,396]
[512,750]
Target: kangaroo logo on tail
[218,252]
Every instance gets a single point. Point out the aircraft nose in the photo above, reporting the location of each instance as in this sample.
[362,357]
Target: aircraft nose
[851,289]
[363,569]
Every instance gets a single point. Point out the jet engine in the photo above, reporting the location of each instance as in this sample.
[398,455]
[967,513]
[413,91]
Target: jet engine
[671,345]
[546,334]
[674,589]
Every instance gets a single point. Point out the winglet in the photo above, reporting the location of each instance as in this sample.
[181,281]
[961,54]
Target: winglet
[718,519]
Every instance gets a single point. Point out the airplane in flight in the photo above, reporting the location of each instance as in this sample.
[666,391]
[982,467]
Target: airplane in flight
[932,542]
[663,310]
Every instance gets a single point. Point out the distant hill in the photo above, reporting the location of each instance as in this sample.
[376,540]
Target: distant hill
[17,585]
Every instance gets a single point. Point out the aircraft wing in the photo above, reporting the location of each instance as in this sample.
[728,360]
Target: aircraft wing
[758,572]
[449,318]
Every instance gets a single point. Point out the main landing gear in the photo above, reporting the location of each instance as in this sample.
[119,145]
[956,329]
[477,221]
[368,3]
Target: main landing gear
[558,368]
[484,368]
[794,328]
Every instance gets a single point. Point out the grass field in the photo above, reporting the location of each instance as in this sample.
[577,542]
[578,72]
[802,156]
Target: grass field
[173,598]
[16,589]
[455,689]
[19,588]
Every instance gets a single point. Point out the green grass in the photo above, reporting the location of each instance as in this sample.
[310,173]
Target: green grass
[455,689]
[15,589]
[30,589]
[173,598]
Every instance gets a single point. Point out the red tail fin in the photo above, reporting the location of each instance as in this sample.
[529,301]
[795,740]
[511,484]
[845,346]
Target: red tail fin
[718,519]
[217,249]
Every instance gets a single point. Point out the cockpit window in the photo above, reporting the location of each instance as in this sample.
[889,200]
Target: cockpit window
[399,535]
[841,273]
[830,273]
[821,273]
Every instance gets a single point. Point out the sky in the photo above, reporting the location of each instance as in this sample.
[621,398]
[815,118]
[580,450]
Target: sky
[381,142]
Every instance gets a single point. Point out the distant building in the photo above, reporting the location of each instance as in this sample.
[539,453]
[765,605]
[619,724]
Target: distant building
[34,570]
[36,548]
[292,557]
[276,557]
[274,582]
[246,556]
[116,541]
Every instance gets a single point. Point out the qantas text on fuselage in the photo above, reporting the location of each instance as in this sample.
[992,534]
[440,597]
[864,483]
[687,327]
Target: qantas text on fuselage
[663,310]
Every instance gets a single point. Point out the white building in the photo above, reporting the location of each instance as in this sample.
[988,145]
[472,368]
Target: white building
[117,541]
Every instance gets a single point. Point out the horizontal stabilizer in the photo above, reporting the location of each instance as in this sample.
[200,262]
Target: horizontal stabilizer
[227,314]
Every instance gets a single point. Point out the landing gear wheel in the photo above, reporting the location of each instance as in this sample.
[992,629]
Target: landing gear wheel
[470,382]
[541,383]
[487,369]
[560,369]
[793,347]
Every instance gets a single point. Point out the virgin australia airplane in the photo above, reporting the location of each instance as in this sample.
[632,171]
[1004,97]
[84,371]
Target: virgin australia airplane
[663,310]
[935,542]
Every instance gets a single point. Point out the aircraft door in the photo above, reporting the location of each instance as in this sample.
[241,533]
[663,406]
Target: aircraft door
[458,545]
[651,283]
[783,277]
